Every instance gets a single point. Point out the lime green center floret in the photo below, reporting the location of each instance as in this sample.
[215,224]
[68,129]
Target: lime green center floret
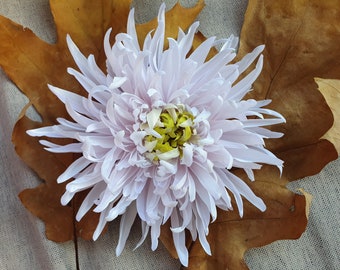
[174,133]
[174,128]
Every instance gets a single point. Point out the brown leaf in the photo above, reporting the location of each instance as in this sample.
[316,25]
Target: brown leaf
[331,91]
[301,39]
[48,193]
[177,17]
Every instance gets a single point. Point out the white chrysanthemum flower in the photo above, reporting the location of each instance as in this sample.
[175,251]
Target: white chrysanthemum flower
[159,132]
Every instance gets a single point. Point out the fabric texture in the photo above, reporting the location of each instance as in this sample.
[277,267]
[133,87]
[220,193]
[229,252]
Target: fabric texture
[23,243]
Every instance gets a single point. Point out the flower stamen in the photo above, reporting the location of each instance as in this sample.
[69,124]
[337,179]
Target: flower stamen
[174,127]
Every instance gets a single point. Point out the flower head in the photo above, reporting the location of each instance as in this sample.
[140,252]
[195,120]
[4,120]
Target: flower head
[159,132]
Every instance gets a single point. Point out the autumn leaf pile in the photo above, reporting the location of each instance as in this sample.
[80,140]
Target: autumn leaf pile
[301,38]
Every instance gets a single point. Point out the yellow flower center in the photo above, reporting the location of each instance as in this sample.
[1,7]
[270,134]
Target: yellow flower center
[174,129]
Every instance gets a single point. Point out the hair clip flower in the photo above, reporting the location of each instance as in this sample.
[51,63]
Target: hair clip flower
[160,131]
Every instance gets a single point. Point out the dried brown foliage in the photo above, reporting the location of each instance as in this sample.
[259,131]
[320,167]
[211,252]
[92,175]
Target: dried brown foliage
[301,40]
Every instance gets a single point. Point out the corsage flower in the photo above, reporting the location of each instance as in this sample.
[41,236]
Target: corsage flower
[159,132]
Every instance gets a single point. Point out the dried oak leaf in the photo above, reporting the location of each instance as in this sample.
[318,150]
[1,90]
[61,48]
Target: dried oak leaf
[302,39]
[32,64]
[330,89]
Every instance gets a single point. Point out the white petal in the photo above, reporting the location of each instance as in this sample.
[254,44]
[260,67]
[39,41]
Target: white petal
[101,222]
[242,87]
[155,232]
[145,231]
[56,148]
[67,197]
[77,166]
[153,117]
[126,223]
[249,58]
[199,55]
[90,199]
[168,155]
[188,154]
[84,182]
[179,240]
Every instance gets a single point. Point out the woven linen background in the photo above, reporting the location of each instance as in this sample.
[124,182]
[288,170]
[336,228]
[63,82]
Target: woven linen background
[23,244]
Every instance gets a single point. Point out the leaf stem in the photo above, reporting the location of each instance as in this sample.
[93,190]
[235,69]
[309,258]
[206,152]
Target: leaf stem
[75,237]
